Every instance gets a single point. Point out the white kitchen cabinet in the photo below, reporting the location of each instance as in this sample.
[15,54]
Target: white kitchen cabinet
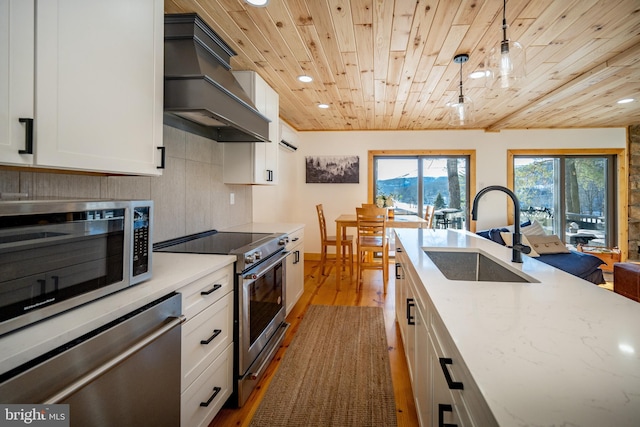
[431,356]
[295,268]
[207,347]
[89,74]
[255,162]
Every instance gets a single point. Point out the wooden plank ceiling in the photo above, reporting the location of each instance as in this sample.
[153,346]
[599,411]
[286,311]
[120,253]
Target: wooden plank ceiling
[385,64]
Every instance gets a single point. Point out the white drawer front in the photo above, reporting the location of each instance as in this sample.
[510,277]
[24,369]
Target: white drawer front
[215,325]
[295,238]
[200,294]
[218,374]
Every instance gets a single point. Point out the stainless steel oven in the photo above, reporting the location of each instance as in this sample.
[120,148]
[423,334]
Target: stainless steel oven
[260,298]
[261,321]
[59,254]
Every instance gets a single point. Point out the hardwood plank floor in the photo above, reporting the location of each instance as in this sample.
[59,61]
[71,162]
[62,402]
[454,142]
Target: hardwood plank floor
[371,294]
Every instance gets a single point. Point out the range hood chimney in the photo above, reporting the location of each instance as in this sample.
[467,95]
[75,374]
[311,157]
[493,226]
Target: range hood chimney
[200,88]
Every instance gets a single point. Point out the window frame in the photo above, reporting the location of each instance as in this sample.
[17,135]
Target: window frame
[470,154]
[620,176]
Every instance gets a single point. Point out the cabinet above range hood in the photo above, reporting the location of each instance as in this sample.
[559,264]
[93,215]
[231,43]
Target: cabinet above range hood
[201,95]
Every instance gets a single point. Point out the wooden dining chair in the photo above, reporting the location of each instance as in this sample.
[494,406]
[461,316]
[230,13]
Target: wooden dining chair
[428,216]
[326,241]
[372,239]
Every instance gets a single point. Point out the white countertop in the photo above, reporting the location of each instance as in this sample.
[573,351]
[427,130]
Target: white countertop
[560,352]
[170,272]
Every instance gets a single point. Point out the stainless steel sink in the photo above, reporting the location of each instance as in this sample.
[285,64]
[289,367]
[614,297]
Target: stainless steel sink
[474,266]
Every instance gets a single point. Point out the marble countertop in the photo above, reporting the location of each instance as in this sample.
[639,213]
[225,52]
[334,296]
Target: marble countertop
[170,273]
[560,352]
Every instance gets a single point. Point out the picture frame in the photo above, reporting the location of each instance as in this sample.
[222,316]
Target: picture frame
[332,169]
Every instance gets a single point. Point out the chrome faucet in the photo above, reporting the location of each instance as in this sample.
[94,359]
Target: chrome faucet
[517,247]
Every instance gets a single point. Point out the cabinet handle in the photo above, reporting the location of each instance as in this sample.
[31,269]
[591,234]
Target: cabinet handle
[295,239]
[162,157]
[216,332]
[442,408]
[296,257]
[216,390]
[215,288]
[410,319]
[453,385]
[398,266]
[28,136]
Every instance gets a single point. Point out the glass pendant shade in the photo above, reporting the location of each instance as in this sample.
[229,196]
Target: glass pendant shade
[460,111]
[506,62]
[460,108]
[506,65]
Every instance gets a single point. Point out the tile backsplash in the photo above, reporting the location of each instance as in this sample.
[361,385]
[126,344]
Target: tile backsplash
[189,196]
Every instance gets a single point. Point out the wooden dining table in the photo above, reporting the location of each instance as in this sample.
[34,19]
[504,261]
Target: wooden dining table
[345,221]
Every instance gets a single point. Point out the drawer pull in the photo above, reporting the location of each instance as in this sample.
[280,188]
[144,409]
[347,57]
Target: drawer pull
[410,319]
[216,332]
[210,291]
[453,385]
[442,408]
[398,266]
[216,390]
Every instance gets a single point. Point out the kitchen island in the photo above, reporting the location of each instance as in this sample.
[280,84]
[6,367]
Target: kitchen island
[558,351]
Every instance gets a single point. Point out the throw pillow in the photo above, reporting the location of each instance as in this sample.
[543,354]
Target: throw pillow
[548,244]
[508,239]
[535,229]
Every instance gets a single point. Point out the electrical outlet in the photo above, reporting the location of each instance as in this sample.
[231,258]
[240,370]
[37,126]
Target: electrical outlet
[232,198]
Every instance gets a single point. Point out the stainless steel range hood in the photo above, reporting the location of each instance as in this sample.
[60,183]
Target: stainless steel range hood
[201,94]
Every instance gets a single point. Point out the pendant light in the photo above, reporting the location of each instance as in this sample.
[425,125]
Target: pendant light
[506,61]
[461,107]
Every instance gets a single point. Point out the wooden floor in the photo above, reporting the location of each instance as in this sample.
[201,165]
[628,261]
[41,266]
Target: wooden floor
[326,294]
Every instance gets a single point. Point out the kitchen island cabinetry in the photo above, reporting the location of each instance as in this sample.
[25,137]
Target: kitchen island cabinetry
[255,162]
[438,400]
[82,95]
[207,347]
[555,350]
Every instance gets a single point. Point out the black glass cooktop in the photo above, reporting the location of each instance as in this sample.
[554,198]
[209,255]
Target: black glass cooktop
[213,242]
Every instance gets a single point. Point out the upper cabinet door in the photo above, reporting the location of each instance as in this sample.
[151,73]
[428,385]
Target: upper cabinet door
[16,79]
[94,76]
[99,80]
[255,162]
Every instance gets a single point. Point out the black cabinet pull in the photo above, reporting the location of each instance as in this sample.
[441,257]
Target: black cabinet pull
[216,332]
[215,288]
[296,257]
[216,390]
[453,385]
[163,151]
[28,138]
[442,408]
[410,319]
[398,266]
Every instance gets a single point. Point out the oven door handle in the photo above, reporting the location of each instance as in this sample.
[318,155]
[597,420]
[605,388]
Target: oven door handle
[264,268]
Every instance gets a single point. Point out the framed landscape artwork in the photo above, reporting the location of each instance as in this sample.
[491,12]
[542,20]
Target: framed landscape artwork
[332,169]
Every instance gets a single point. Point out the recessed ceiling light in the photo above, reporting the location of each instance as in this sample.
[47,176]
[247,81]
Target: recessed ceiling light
[305,79]
[478,74]
[257,3]
[626,101]
[323,106]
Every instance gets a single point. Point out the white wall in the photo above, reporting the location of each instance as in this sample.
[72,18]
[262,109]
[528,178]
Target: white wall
[491,166]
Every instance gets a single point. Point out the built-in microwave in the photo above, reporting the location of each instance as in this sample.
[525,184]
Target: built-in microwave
[58,254]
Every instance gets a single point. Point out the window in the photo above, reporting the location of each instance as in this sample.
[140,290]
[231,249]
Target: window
[572,196]
[415,180]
